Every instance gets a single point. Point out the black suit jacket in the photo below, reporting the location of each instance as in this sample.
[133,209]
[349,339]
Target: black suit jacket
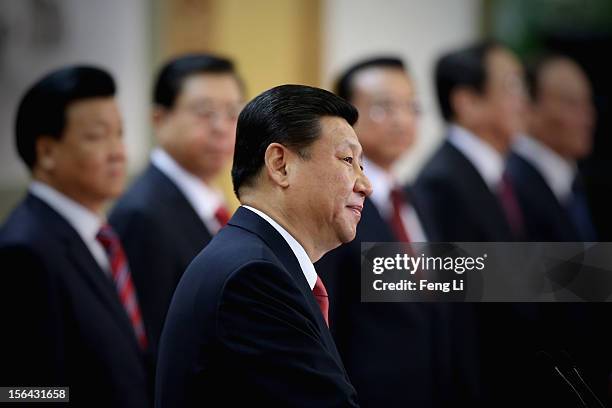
[63,322]
[580,329]
[396,354]
[161,234]
[545,219]
[505,336]
[244,329]
[460,201]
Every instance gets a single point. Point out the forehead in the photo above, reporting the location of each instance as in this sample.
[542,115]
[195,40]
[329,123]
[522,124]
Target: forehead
[564,76]
[501,62]
[382,81]
[93,110]
[215,86]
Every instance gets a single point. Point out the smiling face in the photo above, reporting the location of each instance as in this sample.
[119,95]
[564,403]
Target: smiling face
[88,162]
[328,187]
[199,131]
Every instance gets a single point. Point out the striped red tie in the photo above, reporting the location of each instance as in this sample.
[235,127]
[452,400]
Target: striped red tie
[123,280]
[320,294]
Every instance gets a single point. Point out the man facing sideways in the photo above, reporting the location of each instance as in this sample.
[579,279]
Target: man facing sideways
[171,212]
[71,313]
[248,321]
[561,120]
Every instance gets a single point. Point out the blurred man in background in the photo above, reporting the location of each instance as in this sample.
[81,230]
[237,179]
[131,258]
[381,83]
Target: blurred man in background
[482,97]
[71,313]
[544,167]
[481,94]
[171,211]
[392,351]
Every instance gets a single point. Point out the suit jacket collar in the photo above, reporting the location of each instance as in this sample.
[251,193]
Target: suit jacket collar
[250,221]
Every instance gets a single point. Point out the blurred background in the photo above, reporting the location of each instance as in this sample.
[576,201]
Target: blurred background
[291,41]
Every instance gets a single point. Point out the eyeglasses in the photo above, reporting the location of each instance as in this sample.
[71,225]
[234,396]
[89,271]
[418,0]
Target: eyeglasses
[206,112]
[381,110]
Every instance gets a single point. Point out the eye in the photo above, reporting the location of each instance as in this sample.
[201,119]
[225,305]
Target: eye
[348,159]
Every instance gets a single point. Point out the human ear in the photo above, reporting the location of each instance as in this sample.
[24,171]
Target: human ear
[275,160]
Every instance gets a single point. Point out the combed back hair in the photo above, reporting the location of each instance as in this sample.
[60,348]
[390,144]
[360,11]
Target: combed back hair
[344,84]
[465,67]
[42,109]
[287,114]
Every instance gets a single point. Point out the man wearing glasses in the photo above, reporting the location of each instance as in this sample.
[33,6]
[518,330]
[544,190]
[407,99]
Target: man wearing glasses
[171,211]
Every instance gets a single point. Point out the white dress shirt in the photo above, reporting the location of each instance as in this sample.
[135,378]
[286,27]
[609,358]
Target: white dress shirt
[383,182]
[488,162]
[308,268]
[202,198]
[86,223]
[558,172]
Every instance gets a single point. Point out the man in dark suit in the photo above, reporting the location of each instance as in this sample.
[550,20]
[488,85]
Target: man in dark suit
[543,166]
[396,354]
[69,308]
[248,322]
[544,172]
[481,94]
[172,210]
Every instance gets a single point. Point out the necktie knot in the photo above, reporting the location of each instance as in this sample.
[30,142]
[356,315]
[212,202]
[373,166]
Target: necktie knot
[107,237]
[320,294]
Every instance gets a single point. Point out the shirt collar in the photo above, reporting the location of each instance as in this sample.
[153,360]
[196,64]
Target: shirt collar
[308,268]
[384,182]
[558,172]
[85,222]
[204,200]
[488,162]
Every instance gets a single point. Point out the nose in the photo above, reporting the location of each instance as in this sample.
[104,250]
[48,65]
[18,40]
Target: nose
[118,149]
[363,185]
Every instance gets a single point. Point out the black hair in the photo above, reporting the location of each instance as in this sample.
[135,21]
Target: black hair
[344,84]
[464,67]
[287,114]
[172,75]
[42,109]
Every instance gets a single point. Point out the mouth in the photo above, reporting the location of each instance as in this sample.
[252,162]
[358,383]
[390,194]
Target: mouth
[356,209]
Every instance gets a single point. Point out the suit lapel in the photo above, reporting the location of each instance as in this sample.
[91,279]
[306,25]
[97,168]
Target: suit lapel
[247,219]
[489,208]
[179,210]
[85,264]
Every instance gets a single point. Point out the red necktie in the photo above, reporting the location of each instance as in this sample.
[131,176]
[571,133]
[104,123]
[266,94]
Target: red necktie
[510,205]
[398,200]
[320,294]
[222,215]
[123,280]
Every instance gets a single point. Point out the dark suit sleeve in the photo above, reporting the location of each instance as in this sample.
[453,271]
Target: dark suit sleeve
[33,324]
[266,325]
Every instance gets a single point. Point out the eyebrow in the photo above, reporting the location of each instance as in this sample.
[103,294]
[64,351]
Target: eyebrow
[353,146]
